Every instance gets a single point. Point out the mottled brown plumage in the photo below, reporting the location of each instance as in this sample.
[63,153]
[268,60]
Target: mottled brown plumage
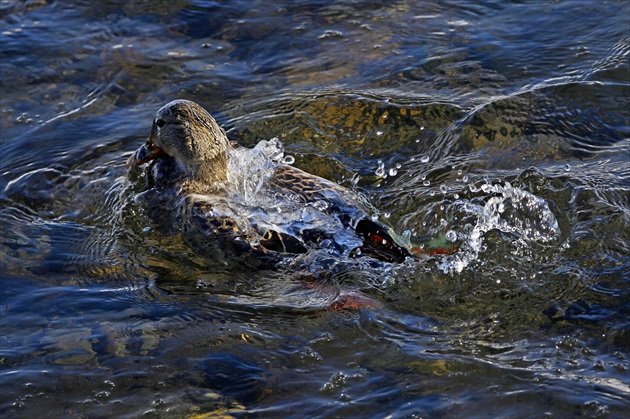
[190,154]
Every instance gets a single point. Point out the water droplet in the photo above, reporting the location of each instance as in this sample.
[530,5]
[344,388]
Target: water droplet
[380,170]
[379,132]
[393,172]
[398,165]
[426,183]
[459,172]
[421,128]
[567,168]
[443,188]
[288,160]
[424,159]
[321,205]
[465,179]
[387,215]
[451,236]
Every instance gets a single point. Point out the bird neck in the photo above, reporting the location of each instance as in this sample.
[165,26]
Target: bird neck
[212,170]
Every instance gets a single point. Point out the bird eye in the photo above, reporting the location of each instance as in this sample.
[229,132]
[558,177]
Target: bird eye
[160,123]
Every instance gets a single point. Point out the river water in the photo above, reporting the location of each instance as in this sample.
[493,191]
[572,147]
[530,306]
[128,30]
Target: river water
[499,128]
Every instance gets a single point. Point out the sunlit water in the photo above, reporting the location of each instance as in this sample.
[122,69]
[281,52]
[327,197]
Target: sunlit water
[496,128]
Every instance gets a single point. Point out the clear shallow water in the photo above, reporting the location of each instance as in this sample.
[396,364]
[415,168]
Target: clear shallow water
[463,106]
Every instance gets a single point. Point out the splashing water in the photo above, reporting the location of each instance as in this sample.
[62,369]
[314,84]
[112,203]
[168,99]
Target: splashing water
[512,211]
[249,169]
[253,202]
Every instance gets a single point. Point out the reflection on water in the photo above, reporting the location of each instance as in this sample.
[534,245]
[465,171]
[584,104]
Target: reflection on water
[499,129]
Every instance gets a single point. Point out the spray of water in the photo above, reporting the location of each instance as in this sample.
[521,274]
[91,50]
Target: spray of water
[510,210]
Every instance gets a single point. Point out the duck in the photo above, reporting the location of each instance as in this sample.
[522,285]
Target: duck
[266,214]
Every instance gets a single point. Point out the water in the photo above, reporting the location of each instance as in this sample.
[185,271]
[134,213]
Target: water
[499,128]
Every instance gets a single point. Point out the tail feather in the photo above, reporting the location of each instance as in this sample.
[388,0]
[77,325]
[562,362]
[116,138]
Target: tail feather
[379,243]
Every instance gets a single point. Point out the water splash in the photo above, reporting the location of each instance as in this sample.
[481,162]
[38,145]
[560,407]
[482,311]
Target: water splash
[253,201]
[513,211]
[249,169]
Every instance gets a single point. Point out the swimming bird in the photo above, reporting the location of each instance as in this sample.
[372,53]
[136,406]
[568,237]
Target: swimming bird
[238,201]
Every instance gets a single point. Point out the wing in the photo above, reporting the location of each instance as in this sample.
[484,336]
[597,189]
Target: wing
[379,240]
[237,240]
[311,188]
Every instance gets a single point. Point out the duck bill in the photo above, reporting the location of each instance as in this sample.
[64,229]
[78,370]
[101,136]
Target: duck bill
[144,154]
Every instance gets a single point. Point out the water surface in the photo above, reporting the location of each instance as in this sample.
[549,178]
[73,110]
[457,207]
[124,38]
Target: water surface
[499,128]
